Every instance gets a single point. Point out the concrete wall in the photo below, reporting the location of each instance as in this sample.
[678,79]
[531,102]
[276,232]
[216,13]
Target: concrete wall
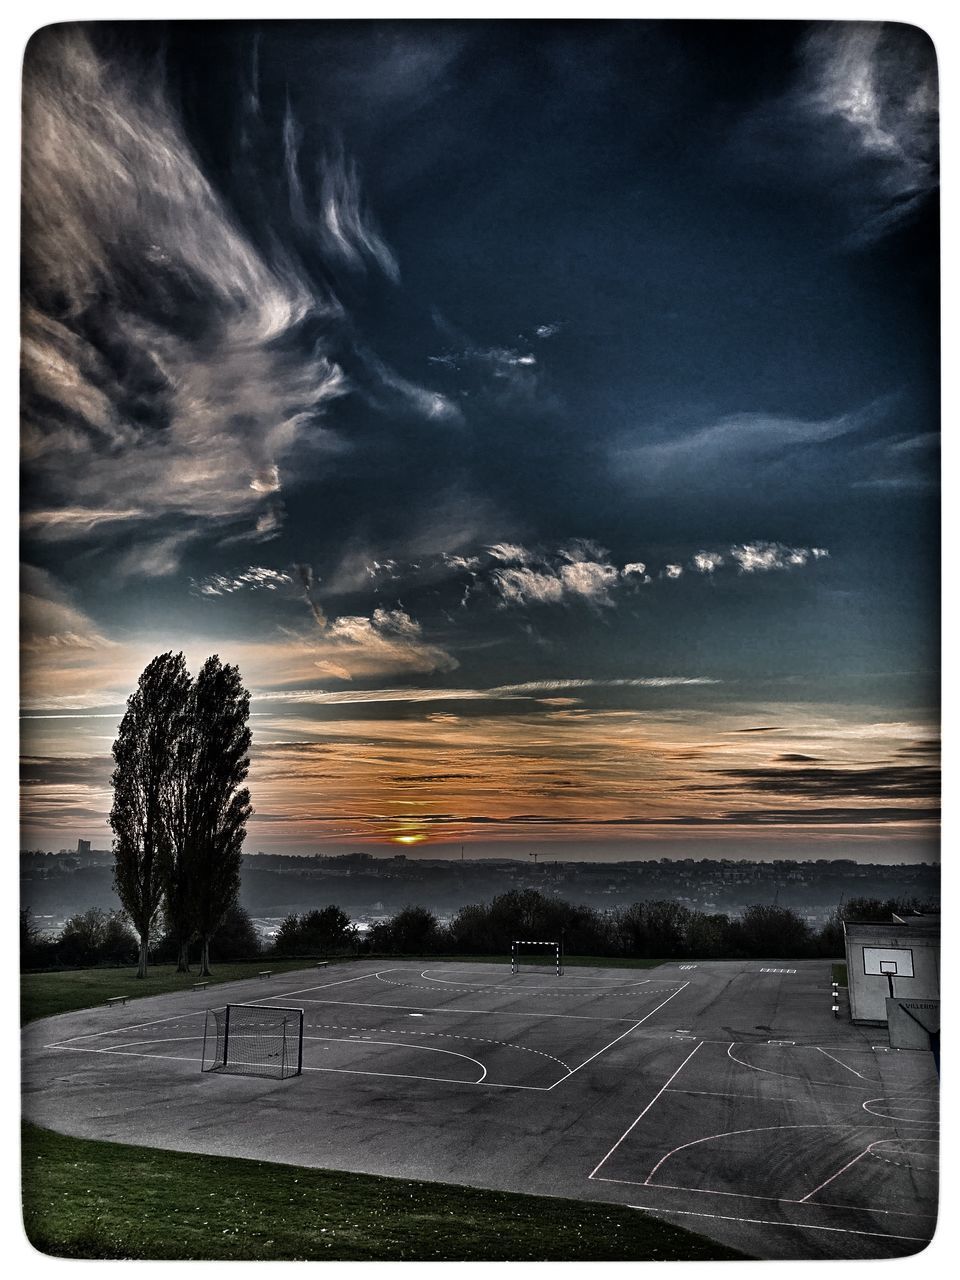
[868,992]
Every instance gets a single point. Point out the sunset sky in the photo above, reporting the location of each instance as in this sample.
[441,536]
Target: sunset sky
[543,416]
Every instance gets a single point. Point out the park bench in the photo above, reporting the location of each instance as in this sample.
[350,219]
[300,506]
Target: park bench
[198,985]
[117,999]
[264,973]
[321,964]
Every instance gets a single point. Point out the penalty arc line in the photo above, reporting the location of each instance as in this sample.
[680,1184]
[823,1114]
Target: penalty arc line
[644,1112]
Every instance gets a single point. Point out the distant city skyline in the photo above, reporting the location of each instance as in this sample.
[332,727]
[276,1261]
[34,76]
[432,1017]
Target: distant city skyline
[542,415]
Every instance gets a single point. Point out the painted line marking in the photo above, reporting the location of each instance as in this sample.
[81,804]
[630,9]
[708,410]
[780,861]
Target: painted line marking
[785,1075]
[746,1195]
[844,1065]
[772,1222]
[729,1133]
[655,1097]
[620,1037]
[497,1013]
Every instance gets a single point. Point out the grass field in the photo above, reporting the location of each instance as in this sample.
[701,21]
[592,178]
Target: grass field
[43,994]
[86,1199]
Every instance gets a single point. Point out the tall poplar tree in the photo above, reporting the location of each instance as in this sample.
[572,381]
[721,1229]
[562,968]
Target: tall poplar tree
[143,754]
[177,869]
[218,803]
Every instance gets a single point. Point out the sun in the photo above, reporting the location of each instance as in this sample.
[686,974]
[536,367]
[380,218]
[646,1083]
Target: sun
[408,839]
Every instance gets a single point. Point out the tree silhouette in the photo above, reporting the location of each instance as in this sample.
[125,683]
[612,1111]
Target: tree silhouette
[142,791]
[217,804]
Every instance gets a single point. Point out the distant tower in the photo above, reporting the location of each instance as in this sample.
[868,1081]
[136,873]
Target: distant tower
[83,847]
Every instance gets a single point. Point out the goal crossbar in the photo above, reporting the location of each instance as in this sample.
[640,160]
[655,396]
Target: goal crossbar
[254,1040]
[517,943]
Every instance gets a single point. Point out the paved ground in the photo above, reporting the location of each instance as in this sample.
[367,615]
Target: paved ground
[723,1096]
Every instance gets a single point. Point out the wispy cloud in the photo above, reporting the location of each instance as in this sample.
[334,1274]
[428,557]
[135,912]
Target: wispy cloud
[531,689]
[255,578]
[731,444]
[388,641]
[208,386]
[857,127]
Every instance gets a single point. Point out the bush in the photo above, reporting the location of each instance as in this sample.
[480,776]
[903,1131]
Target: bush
[317,932]
[96,937]
[412,931]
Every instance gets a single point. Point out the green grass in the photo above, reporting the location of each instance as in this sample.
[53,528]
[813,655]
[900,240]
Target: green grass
[86,1199]
[839,974]
[43,994]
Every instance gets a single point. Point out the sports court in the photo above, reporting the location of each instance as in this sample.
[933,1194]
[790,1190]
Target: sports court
[723,1096]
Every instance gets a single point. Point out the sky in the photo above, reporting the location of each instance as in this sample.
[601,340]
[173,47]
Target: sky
[542,415]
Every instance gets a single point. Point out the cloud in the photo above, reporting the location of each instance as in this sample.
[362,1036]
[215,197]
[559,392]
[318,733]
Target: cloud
[636,569]
[255,578]
[68,522]
[857,127]
[529,690]
[894,782]
[707,561]
[579,572]
[389,640]
[762,557]
[732,445]
[158,340]
[673,571]
[427,403]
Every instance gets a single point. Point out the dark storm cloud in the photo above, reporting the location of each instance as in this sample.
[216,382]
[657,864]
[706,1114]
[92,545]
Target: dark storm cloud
[59,771]
[895,782]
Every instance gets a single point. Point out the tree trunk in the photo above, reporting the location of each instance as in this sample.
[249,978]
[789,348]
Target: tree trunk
[142,966]
[183,959]
[204,957]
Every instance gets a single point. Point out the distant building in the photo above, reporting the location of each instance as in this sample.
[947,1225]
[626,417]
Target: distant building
[83,847]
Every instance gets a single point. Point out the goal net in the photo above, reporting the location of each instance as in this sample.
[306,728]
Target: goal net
[529,951]
[254,1040]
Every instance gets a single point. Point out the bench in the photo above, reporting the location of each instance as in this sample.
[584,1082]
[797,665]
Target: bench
[321,964]
[198,985]
[117,999]
[264,973]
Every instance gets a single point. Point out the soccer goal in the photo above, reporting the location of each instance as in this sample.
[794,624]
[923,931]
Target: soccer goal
[544,952]
[254,1040]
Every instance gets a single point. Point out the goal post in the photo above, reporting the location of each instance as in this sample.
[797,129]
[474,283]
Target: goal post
[253,1040]
[550,953]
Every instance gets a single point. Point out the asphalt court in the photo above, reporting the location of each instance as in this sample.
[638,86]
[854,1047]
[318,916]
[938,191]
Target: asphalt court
[720,1095]
[501,1030]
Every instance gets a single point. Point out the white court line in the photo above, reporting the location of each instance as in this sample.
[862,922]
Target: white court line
[620,1037]
[116,1031]
[771,1200]
[772,1222]
[495,1013]
[340,1071]
[850,1163]
[729,1133]
[644,1111]
[424,1048]
[156,1022]
[785,1075]
[596,986]
[748,1097]
[844,1065]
